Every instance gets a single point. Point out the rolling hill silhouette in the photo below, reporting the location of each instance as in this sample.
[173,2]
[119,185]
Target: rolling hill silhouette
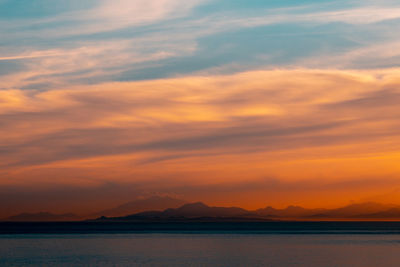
[289,212]
[201,211]
[133,211]
[393,213]
[141,205]
[190,211]
[351,211]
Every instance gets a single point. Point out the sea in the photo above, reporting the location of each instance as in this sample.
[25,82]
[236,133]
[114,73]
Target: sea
[278,244]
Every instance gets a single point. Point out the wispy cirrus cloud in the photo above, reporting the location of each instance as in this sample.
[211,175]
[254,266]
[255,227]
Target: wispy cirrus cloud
[244,114]
[199,132]
[382,55]
[134,40]
[100,16]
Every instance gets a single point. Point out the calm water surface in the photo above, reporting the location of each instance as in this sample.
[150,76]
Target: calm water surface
[200,250]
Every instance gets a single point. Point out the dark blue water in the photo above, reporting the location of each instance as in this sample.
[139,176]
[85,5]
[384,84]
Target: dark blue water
[273,227]
[200,250]
[280,245]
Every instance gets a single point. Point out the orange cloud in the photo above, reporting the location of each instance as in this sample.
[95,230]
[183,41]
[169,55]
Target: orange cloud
[291,126]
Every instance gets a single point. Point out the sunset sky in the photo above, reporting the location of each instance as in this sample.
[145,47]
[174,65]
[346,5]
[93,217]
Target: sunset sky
[232,102]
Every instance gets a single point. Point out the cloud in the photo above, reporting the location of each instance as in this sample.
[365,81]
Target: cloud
[59,67]
[105,15]
[381,55]
[34,54]
[113,15]
[314,118]
[125,40]
[121,13]
[307,14]
[358,15]
[58,50]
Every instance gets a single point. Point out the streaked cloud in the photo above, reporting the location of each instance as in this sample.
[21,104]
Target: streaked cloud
[198,125]
[123,40]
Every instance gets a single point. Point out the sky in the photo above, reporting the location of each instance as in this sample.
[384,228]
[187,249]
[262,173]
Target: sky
[234,103]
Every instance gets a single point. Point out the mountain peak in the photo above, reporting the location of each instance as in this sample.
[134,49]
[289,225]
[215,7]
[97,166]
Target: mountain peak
[153,203]
[199,210]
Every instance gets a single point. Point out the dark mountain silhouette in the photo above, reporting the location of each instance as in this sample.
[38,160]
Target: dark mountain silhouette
[201,212]
[289,212]
[189,211]
[361,209]
[393,213]
[42,217]
[140,205]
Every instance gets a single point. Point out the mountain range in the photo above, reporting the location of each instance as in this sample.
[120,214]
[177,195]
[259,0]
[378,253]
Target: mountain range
[140,205]
[188,212]
[200,211]
[166,208]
